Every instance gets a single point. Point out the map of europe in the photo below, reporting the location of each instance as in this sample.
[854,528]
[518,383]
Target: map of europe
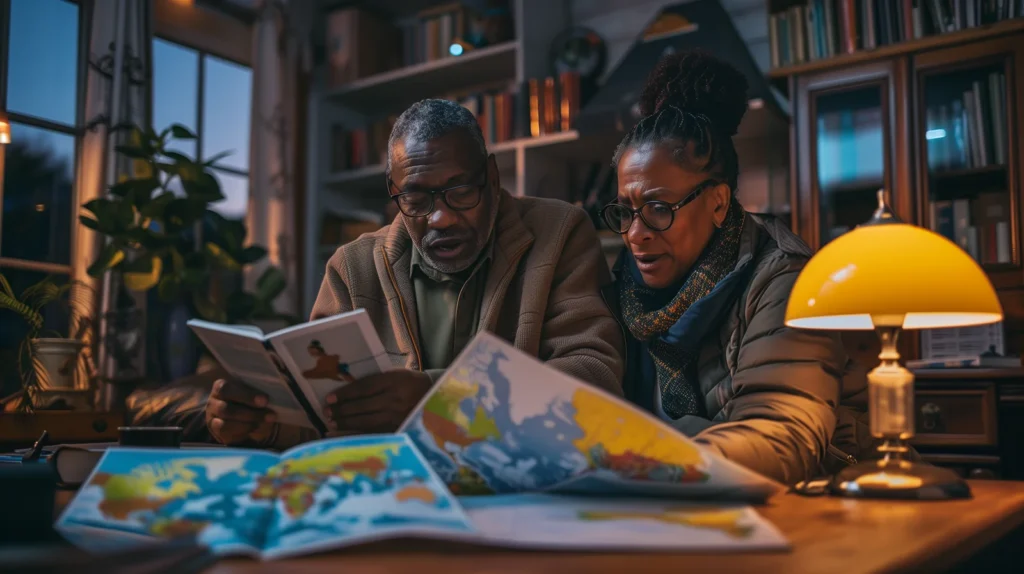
[495,426]
[235,500]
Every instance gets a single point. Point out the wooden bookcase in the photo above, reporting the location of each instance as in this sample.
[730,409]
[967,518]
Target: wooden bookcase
[530,165]
[933,118]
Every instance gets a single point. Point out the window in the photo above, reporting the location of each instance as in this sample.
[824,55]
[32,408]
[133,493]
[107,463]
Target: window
[212,97]
[41,66]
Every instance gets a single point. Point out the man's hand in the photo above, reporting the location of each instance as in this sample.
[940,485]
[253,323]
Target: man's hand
[237,414]
[377,403]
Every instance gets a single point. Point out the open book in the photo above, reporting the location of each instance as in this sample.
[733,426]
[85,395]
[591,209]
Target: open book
[296,367]
[555,464]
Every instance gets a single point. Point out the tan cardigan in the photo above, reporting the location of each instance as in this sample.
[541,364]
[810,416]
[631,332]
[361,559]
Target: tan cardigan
[542,293]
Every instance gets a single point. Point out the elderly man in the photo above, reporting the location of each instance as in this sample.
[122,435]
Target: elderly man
[462,257]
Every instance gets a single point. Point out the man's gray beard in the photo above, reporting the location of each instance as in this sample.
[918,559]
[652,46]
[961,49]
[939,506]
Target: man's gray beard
[452,268]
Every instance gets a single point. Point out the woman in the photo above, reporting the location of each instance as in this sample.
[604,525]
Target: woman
[701,288]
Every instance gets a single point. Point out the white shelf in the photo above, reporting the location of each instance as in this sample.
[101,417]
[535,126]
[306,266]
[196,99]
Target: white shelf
[357,179]
[397,89]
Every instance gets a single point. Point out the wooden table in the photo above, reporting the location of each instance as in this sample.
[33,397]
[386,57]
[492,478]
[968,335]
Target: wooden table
[827,534]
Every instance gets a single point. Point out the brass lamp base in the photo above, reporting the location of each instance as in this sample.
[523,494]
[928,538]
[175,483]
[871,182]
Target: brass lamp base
[891,404]
[899,479]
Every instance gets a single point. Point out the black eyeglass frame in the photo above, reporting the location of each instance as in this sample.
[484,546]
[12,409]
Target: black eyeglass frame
[673,208]
[442,192]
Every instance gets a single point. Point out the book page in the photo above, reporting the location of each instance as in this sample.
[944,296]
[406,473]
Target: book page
[329,353]
[246,359]
[553,522]
[350,490]
[164,493]
[500,421]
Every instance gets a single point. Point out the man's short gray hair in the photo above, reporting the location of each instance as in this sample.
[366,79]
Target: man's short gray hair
[430,119]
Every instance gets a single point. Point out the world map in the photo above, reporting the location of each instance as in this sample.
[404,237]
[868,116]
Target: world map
[236,499]
[485,434]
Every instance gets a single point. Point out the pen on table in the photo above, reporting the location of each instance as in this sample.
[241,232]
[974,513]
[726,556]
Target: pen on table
[37,449]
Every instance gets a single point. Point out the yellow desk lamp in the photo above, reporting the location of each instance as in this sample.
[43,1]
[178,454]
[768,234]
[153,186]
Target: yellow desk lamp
[885,276]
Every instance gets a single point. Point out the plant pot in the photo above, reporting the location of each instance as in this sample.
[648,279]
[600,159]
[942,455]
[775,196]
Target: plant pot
[59,359]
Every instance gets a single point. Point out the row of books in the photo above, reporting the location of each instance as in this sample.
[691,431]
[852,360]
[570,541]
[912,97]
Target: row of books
[970,131]
[354,148]
[980,226]
[539,107]
[444,32]
[816,29]
[535,108]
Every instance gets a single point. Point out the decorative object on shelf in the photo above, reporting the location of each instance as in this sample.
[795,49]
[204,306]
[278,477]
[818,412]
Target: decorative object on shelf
[56,371]
[582,51]
[491,24]
[858,282]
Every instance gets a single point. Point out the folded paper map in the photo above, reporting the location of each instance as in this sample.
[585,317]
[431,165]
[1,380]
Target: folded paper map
[502,451]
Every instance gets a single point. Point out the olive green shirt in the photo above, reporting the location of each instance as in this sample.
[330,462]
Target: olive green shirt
[447,309]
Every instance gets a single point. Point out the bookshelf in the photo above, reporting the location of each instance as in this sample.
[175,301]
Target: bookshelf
[356,114]
[934,117]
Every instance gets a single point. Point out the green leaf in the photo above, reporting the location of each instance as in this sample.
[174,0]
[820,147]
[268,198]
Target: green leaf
[251,254]
[182,212]
[137,190]
[178,157]
[217,157]
[207,309]
[169,289]
[107,214]
[203,186]
[109,257]
[271,284]
[89,222]
[240,306]
[182,133]
[134,152]
[221,256]
[157,206]
[193,277]
[125,214]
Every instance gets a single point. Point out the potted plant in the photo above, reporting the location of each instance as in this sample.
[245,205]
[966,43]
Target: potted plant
[160,233]
[48,362]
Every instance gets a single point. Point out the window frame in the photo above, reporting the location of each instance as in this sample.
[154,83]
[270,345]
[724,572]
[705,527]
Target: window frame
[200,95]
[75,131]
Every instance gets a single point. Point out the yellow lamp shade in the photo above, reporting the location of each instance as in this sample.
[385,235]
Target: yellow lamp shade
[892,275]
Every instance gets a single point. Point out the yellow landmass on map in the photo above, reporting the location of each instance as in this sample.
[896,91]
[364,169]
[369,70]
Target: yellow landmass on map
[345,462]
[445,401]
[621,431]
[164,480]
[727,521]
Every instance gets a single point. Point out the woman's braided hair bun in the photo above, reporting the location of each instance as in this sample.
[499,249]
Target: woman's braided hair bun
[698,83]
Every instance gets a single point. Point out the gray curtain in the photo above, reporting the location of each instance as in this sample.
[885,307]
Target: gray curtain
[117,93]
[280,37]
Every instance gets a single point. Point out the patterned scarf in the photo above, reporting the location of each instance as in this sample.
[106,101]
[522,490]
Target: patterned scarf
[648,318]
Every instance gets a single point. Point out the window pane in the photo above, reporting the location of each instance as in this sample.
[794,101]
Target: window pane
[12,327]
[227,106]
[38,175]
[42,60]
[236,195]
[175,90]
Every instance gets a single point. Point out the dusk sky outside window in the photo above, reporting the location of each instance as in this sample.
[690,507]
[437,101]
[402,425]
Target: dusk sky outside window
[224,100]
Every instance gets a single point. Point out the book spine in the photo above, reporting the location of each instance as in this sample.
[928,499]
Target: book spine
[293,386]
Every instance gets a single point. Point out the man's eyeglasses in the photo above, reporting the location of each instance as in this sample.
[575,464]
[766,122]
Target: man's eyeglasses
[656,215]
[421,203]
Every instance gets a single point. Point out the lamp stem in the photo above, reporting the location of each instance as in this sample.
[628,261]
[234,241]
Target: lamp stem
[891,398]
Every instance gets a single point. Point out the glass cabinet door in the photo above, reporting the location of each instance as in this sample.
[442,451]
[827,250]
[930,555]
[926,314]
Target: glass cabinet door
[845,124]
[849,158]
[964,133]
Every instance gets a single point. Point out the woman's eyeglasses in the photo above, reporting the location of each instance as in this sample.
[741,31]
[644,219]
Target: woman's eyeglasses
[656,215]
[421,203]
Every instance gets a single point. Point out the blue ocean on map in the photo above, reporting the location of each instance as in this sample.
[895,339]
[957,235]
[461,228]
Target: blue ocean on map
[534,453]
[326,494]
